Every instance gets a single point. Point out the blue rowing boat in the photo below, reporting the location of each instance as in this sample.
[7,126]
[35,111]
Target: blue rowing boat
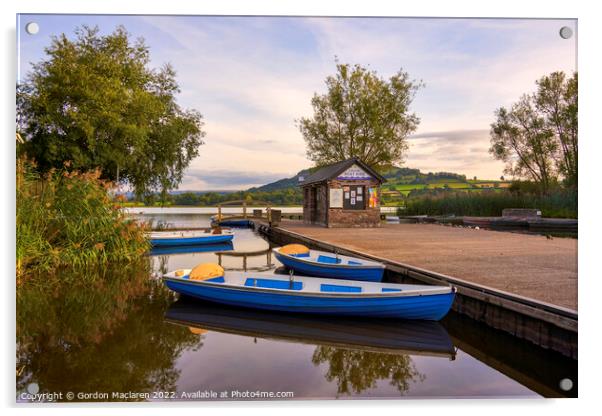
[230,222]
[314,295]
[334,266]
[189,238]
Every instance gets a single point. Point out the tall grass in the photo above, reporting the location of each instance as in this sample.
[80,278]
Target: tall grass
[558,204]
[68,219]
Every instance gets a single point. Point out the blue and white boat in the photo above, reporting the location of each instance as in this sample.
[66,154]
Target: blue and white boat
[189,238]
[314,295]
[334,266]
[230,221]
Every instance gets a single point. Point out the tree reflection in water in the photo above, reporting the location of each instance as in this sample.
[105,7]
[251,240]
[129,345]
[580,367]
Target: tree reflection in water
[98,334]
[357,370]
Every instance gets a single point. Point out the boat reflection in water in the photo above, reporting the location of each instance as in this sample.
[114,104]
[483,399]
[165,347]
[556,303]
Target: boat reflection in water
[356,353]
[206,248]
[388,336]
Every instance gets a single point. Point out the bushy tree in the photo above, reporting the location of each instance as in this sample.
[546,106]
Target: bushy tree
[361,115]
[96,103]
[537,136]
[556,100]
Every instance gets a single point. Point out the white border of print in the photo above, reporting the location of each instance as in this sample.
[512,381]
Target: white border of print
[589,282]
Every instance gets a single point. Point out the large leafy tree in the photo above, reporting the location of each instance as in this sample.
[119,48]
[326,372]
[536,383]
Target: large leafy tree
[556,100]
[96,103]
[537,136]
[520,138]
[361,115]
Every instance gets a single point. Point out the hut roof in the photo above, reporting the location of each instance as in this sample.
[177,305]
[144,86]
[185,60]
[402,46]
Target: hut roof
[332,171]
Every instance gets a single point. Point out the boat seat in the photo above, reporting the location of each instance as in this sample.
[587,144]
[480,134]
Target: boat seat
[273,284]
[390,289]
[339,288]
[354,263]
[328,260]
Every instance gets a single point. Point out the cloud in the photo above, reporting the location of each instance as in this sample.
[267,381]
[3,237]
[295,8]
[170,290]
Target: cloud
[461,151]
[252,77]
[452,135]
[227,179]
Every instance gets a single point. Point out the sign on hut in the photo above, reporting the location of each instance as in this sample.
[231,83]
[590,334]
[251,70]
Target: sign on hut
[344,194]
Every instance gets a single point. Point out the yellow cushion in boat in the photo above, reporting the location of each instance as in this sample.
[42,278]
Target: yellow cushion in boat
[197,331]
[294,249]
[179,273]
[206,271]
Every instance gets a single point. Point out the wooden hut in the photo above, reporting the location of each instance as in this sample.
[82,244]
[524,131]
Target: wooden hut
[344,194]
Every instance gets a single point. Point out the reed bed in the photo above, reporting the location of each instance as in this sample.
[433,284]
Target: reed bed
[67,219]
[561,203]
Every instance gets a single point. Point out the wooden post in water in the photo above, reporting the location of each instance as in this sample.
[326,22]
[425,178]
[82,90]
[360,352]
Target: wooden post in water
[244,210]
[219,212]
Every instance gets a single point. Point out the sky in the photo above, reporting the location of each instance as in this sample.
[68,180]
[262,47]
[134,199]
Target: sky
[253,77]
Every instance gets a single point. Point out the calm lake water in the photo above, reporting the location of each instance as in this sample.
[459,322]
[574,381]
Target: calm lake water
[129,338]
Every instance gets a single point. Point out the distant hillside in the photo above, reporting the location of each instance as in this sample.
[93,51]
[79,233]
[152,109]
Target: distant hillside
[217,191]
[283,183]
[401,183]
[393,175]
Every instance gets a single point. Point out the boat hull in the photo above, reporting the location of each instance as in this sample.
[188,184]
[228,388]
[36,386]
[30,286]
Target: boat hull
[427,307]
[366,274]
[191,241]
[230,222]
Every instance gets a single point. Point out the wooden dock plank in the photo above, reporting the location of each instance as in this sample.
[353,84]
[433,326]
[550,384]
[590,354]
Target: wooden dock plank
[527,265]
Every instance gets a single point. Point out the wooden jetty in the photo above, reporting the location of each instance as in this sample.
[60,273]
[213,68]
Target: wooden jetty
[525,285]
[244,255]
[518,359]
[257,214]
[534,224]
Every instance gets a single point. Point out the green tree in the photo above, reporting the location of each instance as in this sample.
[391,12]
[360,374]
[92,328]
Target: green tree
[96,103]
[361,115]
[556,100]
[537,136]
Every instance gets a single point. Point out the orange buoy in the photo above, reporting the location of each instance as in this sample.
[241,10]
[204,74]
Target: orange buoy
[206,271]
[294,249]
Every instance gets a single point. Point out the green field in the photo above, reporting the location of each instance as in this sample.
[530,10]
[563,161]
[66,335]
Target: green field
[451,185]
[448,184]
[406,187]
[400,187]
